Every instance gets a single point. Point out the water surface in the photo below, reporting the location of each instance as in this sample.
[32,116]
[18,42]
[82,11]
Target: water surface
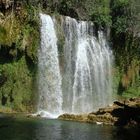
[22,128]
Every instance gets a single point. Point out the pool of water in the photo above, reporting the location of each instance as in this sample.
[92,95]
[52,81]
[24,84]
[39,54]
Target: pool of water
[23,128]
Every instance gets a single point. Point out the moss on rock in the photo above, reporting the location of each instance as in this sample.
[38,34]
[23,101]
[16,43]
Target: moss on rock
[19,41]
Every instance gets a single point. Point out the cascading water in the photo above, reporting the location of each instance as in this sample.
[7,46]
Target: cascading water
[49,79]
[89,64]
[86,83]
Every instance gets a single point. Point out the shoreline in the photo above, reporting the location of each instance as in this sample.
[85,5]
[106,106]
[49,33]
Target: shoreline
[121,113]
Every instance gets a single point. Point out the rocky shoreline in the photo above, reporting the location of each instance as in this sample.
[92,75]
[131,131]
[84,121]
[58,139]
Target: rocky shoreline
[121,113]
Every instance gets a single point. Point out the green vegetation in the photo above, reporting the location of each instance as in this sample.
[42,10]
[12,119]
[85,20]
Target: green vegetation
[126,45]
[16,92]
[100,13]
[19,41]
[121,15]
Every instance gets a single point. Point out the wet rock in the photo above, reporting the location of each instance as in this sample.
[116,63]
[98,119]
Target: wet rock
[72,117]
[124,113]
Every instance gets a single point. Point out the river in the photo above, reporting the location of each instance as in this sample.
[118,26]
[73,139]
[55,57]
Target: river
[23,128]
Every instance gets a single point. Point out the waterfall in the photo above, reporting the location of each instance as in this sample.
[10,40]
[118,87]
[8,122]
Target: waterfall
[49,79]
[85,83]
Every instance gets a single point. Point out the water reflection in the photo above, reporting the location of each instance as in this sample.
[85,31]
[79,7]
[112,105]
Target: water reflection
[63,130]
[121,133]
[42,129]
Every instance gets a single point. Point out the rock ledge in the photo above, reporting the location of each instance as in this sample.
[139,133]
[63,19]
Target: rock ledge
[124,113]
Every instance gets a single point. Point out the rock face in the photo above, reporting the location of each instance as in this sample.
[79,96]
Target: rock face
[120,113]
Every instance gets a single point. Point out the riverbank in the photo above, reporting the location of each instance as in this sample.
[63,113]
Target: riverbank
[121,113]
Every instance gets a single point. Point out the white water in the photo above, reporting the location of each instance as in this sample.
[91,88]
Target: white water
[49,79]
[86,83]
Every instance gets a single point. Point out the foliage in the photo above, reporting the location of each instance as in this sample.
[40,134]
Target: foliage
[19,40]
[121,15]
[132,92]
[99,12]
[68,8]
[126,46]
[30,32]
[9,30]
[128,60]
[22,29]
[17,90]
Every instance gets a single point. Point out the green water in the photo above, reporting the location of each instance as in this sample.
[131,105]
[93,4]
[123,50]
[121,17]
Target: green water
[22,128]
